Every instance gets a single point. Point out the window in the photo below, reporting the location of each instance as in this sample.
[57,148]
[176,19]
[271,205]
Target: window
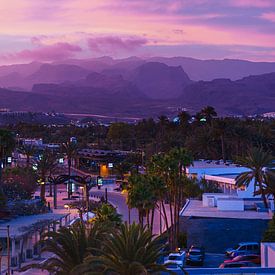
[250,247]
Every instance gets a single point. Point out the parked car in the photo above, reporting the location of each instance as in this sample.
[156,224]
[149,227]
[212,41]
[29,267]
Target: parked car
[244,248]
[256,259]
[176,258]
[237,265]
[195,255]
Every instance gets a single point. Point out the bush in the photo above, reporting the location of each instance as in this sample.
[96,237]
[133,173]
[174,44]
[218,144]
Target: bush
[19,183]
[27,208]
[269,235]
[3,199]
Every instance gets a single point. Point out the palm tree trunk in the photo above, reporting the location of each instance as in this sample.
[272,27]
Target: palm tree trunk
[172,222]
[28,161]
[152,219]
[42,188]
[223,148]
[69,183]
[165,215]
[147,218]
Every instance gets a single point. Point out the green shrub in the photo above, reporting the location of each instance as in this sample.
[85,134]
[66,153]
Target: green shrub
[269,235]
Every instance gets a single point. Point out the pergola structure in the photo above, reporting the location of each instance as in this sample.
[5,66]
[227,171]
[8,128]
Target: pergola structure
[85,182]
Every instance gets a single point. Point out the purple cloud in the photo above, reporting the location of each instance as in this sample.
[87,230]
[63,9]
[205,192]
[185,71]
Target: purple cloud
[114,44]
[57,51]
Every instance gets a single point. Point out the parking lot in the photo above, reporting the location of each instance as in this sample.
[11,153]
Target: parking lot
[211,260]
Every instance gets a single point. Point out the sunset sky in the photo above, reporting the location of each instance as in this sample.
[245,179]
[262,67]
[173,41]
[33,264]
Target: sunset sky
[47,30]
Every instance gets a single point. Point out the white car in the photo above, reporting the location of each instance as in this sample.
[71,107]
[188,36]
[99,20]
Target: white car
[177,258]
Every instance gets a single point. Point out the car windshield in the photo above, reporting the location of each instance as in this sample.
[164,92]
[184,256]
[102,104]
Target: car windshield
[174,258]
[236,247]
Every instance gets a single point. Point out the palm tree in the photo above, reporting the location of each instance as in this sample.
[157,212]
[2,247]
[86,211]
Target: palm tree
[131,250]
[208,113]
[269,184]
[184,118]
[45,164]
[257,161]
[69,247]
[140,196]
[7,144]
[220,129]
[70,150]
[107,213]
[28,151]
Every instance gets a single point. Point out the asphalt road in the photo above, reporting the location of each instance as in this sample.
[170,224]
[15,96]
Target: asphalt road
[118,200]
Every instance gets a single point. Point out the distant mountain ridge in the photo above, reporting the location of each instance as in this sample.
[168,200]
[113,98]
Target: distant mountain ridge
[139,86]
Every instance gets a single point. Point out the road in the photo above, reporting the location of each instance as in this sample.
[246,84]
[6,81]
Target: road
[118,200]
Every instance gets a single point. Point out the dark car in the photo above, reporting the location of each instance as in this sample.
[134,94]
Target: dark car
[195,255]
[256,259]
[237,264]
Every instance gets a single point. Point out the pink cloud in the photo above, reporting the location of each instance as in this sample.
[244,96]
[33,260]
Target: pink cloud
[270,16]
[52,52]
[114,44]
[253,3]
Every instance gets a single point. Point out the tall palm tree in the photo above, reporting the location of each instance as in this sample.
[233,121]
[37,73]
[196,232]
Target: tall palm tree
[7,144]
[179,159]
[131,250]
[140,196]
[69,247]
[45,165]
[220,129]
[257,161]
[70,150]
[28,151]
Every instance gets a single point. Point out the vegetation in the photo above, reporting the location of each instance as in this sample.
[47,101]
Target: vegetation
[45,165]
[70,150]
[70,246]
[107,214]
[257,160]
[7,144]
[130,250]
[19,183]
[269,235]
[209,138]
[101,249]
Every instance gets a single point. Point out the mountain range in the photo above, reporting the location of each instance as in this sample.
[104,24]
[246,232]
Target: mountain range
[139,87]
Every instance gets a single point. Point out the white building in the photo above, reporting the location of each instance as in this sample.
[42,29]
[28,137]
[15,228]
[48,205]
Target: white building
[224,175]
[233,198]
[268,254]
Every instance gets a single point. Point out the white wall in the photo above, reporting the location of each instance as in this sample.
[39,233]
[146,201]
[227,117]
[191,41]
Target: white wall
[230,204]
[268,254]
[216,196]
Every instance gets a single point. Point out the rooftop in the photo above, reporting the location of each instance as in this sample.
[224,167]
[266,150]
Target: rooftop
[196,209]
[212,164]
[19,226]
